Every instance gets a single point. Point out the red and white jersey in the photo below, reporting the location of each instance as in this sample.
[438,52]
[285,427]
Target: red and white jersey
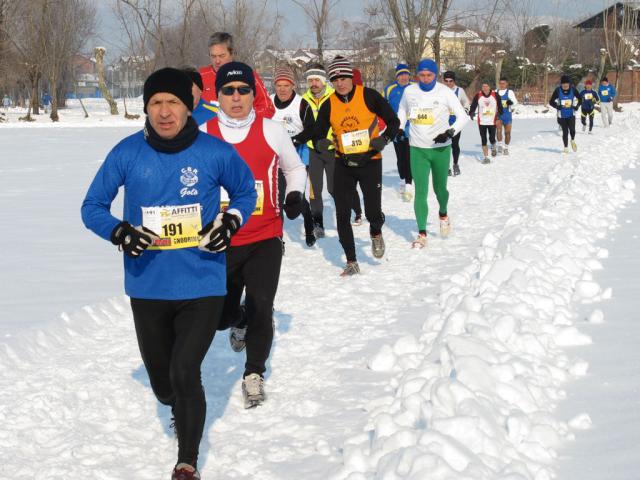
[487,108]
[265,146]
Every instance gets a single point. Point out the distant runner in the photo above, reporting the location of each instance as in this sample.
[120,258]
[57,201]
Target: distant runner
[489,107]
[505,120]
[449,79]
[566,99]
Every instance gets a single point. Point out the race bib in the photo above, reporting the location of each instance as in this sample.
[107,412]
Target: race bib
[355,142]
[421,116]
[488,113]
[605,93]
[567,103]
[504,104]
[177,226]
[588,96]
[224,199]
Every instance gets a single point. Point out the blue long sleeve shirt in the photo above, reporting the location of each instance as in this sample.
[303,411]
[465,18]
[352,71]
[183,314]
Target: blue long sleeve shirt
[154,179]
[607,93]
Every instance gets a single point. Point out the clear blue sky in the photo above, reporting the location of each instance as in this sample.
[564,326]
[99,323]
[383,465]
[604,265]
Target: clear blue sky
[296,29]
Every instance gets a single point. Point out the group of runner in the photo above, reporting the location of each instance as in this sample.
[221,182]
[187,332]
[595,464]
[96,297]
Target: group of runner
[202,225]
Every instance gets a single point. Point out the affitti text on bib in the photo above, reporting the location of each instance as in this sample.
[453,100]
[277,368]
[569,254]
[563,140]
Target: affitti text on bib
[176,225]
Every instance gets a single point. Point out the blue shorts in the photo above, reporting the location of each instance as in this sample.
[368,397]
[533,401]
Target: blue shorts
[506,118]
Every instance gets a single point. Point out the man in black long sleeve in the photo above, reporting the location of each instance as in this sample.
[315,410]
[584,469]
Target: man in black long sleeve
[352,113]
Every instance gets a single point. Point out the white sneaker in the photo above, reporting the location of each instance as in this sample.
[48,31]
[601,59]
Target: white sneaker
[402,187]
[584,127]
[505,150]
[565,150]
[574,146]
[445,227]
[420,242]
[357,221]
[500,148]
[253,390]
[407,196]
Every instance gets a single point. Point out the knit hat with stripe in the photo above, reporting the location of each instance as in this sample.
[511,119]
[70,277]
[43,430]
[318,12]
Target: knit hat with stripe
[316,70]
[284,73]
[402,68]
[340,67]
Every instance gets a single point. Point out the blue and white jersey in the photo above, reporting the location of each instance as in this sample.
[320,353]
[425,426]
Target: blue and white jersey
[566,102]
[607,93]
[161,187]
[204,112]
[589,99]
[464,101]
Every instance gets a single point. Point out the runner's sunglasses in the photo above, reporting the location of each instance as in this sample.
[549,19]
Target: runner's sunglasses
[228,90]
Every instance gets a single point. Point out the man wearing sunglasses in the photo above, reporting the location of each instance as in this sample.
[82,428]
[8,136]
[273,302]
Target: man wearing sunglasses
[449,79]
[352,113]
[255,254]
[221,52]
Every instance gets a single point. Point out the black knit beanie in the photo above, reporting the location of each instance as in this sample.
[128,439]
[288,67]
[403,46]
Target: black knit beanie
[168,80]
[235,72]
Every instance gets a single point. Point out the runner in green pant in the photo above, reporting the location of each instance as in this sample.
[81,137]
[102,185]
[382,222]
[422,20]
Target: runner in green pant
[427,106]
[423,161]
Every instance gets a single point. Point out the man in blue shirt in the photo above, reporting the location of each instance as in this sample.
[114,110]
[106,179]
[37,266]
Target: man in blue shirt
[590,100]
[173,236]
[607,93]
[393,93]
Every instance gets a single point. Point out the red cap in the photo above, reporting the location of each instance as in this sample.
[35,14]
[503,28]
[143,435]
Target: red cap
[588,82]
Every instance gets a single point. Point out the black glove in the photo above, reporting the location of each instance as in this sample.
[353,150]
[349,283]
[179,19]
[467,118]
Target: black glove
[216,235]
[443,137]
[293,205]
[379,143]
[132,240]
[576,107]
[509,102]
[400,137]
[323,145]
[472,116]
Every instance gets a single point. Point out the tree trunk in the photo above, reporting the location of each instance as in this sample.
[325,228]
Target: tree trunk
[616,107]
[54,99]
[102,85]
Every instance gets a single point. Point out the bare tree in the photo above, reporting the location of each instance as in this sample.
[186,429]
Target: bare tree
[24,34]
[66,25]
[102,85]
[440,15]
[621,36]
[318,13]
[411,21]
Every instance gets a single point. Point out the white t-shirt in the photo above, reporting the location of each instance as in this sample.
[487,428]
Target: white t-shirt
[428,114]
[289,116]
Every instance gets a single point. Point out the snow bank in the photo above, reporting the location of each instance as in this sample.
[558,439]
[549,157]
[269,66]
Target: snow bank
[473,397]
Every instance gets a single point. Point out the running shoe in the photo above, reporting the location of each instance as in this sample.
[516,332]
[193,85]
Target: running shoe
[485,160]
[494,152]
[450,174]
[237,338]
[420,242]
[584,127]
[318,231]
[350,269]
[253,390]
[456,170]
[565,150]
[184,471]
[357,221]
[310,239]
[574,146]
[499,149]
[377,246]
[505,150]
[445,227]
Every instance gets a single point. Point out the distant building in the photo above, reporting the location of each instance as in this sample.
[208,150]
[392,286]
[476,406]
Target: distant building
[591,30]
[84,77]
[125,77]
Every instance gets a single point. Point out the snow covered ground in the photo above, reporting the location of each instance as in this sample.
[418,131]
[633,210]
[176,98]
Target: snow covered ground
[456,362]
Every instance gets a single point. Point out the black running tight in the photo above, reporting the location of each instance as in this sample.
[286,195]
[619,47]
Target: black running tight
[174,336]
